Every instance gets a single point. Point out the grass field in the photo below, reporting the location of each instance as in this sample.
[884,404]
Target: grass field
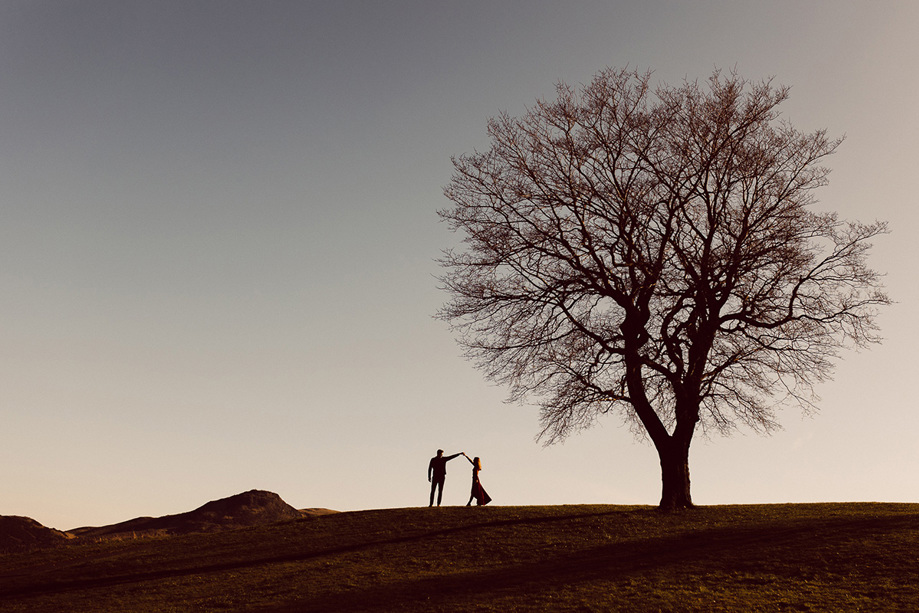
[813,557]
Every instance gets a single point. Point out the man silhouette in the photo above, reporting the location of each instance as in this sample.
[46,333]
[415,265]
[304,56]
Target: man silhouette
[437,473]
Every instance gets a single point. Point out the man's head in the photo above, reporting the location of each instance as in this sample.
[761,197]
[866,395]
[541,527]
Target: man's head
[440,453]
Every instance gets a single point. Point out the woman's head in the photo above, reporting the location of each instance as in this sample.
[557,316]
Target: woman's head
[477,462]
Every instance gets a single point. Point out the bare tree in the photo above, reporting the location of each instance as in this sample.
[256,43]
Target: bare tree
[655,251]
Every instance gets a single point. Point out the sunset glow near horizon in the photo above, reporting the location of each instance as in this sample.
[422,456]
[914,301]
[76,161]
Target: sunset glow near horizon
[218,244]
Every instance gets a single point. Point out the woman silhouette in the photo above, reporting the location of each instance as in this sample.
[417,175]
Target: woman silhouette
[478,492]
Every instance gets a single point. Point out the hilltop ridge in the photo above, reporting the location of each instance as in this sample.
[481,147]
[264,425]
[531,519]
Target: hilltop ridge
[24,533]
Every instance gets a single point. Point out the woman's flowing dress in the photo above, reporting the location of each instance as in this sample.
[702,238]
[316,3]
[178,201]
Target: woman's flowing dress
[478,492]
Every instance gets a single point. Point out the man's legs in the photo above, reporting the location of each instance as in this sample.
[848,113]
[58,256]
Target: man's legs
[437,484]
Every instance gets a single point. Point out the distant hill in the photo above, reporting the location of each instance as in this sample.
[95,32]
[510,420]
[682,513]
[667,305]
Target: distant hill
[252,508]
[24,533]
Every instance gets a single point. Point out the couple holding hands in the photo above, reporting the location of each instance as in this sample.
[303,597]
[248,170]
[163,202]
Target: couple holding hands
[437,474]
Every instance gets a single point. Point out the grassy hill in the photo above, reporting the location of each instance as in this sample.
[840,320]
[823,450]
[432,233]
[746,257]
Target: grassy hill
[251,508]
[816,557]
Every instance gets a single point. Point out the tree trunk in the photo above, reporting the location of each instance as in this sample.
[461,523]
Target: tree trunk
[674,458]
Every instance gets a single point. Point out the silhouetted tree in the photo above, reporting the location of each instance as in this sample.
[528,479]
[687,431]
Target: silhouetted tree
[655,251]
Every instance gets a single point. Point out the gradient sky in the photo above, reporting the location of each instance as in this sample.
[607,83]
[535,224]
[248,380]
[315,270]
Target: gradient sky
[218,235]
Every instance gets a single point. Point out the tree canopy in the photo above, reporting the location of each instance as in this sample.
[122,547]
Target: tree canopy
[656,252]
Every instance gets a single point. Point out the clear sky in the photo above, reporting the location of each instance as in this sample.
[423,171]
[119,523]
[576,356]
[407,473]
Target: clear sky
[218,235]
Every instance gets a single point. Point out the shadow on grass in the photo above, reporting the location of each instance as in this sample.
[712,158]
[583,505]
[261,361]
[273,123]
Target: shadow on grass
[729,549]
[35,586]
